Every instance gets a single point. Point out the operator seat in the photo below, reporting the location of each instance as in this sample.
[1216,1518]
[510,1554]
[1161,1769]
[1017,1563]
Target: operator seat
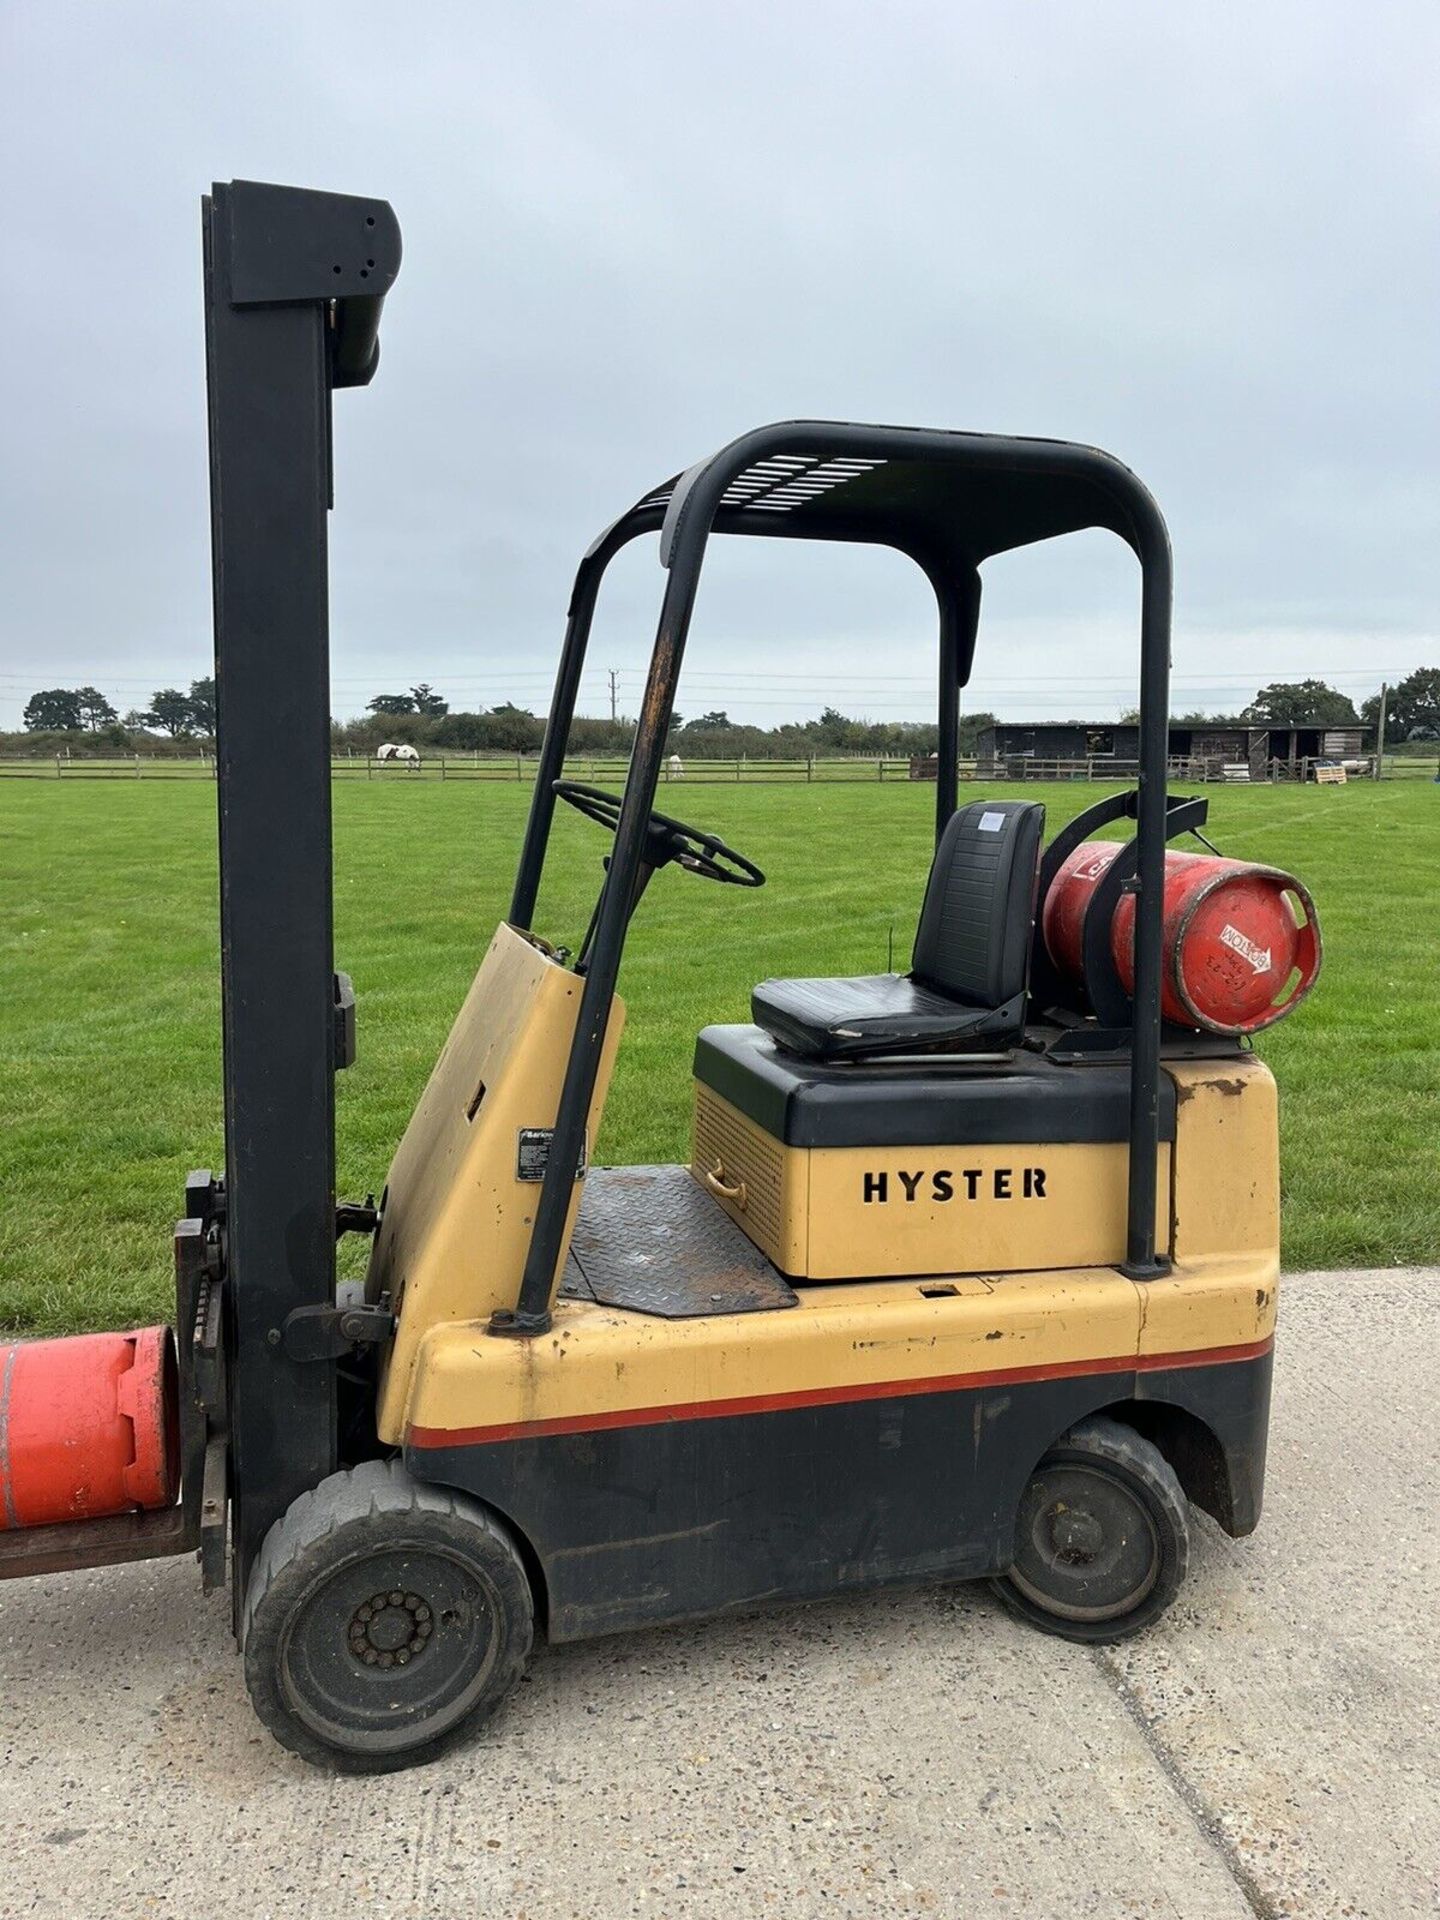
[970,967]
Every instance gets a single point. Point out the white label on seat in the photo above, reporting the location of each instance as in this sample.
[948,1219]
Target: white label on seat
[991,822]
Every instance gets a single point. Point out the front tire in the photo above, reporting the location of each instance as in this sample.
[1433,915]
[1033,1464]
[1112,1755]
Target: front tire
[382,1618]
[1102,1537]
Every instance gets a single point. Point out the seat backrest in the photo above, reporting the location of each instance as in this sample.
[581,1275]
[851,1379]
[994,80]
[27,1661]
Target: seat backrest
[973,941]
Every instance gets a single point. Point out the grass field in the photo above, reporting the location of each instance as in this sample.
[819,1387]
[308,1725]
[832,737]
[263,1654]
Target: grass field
[109,1041]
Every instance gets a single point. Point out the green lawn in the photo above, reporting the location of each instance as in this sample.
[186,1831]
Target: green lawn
[109,1041]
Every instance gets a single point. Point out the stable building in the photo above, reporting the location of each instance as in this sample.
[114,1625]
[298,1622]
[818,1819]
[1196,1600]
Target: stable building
[1022,749]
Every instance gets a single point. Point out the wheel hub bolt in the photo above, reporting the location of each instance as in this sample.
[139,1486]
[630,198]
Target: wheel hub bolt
[389,1629]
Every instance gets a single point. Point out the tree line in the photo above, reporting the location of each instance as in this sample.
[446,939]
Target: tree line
[509,728]
[1412,708]
[85,710]
[82,717]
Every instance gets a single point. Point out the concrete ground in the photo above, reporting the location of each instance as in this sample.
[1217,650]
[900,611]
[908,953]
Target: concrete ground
[1270,1749]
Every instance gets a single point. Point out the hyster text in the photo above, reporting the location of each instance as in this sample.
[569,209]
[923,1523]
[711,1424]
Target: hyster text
[968,1183]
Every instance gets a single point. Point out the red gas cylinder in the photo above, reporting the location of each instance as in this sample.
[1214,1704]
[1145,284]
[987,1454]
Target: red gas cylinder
[1242,943]
[88,1426]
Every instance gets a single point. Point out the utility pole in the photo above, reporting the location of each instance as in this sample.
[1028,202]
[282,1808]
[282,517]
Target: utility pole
[1380,732]
[614,676]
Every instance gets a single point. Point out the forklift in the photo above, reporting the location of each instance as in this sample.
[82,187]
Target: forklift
[972,1273]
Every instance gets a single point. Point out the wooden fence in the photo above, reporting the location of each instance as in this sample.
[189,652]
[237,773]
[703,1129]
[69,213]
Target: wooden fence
[599,770]
[511,768]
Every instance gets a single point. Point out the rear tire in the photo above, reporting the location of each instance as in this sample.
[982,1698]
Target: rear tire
[383,1618]
[1102,1537]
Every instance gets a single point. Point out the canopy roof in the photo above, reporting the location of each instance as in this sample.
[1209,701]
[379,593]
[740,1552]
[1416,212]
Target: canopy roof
[949,499]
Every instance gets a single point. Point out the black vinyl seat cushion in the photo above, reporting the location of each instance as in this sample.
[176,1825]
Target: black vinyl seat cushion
[970,966]
[870,1013]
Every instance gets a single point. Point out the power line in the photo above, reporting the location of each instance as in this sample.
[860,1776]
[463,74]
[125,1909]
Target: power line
[455,678]
[502,681]
[700,677]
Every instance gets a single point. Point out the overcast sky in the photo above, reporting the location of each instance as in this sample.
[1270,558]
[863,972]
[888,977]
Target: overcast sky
[1202,237]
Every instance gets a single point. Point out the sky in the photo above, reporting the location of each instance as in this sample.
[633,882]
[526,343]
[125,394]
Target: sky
[1203,238]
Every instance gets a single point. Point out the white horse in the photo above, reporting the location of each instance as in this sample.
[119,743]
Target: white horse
[674,768]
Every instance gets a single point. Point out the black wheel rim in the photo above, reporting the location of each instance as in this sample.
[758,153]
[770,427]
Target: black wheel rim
[1087,1547]
[391,1649]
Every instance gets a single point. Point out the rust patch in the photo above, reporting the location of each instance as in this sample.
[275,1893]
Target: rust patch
[901,1342]
[1233,1087]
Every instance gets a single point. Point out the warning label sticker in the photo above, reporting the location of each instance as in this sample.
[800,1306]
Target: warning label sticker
[532,1155]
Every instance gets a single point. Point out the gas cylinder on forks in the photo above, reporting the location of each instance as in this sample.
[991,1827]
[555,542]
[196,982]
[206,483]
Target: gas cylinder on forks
[89,1426]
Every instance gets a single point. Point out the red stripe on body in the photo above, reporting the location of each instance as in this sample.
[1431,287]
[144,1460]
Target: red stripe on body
[829,1396]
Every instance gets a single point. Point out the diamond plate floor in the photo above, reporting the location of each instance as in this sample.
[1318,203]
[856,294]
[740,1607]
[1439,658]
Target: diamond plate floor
[653,1240]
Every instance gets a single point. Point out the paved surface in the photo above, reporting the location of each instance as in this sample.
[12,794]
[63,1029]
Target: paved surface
[1271,1749]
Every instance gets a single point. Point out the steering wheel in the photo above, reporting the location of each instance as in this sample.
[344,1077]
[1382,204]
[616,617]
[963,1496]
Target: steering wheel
[666,840]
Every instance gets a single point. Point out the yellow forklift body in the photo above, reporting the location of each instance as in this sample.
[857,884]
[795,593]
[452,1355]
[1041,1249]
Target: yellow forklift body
[851,1212]
[1225,1191]
[460,1200]
[604,1366]
[843,1213]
